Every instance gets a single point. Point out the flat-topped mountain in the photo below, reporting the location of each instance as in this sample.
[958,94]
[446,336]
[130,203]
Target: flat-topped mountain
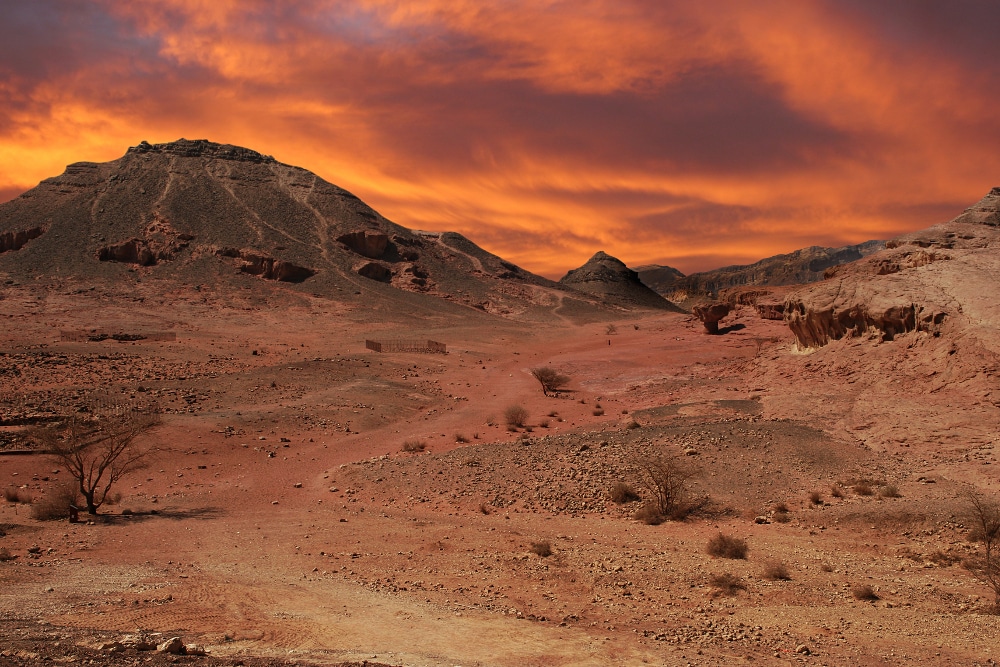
[608,277]
[802,266]
[202,212]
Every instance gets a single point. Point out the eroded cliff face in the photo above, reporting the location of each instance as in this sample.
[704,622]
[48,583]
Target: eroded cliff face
[920,282]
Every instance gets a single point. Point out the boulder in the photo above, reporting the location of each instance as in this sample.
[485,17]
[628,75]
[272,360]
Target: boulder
[173,645]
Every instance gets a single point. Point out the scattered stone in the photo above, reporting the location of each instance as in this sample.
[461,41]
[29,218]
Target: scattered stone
[174,645]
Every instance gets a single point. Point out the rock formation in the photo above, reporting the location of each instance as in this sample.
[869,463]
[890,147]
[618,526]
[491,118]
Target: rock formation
[919,282]
[710,314]
[609,278]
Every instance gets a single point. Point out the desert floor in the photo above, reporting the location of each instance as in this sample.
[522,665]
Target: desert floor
[281,518]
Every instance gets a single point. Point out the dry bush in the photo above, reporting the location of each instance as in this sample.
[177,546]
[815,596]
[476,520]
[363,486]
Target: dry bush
[515,415]
[544,423]
[597,412]
[622,493]
[55,505]
[862,489]
[649,514]
[101,446]
[460,438]
[491,421]
[890,491]
[6,555]
[727,546]
[826,567]
[550,379]
[543,548]
[836,491]
[864,592]
[984,517]
[782,516]
[775,570]
[13,494]
[815,498]
[727,584]
[633,424]
[553,414]
[484,508]
[413,446]
[666,479]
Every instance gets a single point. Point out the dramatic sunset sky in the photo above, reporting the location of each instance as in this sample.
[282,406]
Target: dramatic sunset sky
[689,133]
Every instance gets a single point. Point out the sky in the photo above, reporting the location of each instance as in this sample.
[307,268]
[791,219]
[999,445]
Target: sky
[692,134]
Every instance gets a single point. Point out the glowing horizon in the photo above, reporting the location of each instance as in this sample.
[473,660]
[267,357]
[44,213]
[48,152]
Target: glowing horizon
[693,135]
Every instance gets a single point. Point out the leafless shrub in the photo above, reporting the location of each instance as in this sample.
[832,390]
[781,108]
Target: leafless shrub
[544,423]
[622,493]
[413,446]
[6,555]
[775,570]
[727,584]
[826,567]
[550,379]
[666,478]
[836,491]
[491,421]
[515,415]
[864,592]
[781,516]
[597,412]
[460,438]
[543,548]
[889,491]
[553,414]
[984,517]
[55,505]
[484,508]
[101,446]
[727,546]
[632,424]
[611,330]
[815,498]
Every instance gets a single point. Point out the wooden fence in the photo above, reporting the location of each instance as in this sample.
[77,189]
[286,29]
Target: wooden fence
[406,346]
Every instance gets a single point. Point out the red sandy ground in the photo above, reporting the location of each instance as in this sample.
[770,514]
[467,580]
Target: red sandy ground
[279,533]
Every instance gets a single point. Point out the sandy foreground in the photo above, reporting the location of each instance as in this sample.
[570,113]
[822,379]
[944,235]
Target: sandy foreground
[281,521]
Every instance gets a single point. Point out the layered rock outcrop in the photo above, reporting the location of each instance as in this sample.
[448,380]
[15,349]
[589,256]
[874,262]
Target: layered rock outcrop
[919,282]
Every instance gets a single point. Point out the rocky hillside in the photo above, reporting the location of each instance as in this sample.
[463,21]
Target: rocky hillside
[206,213]
[795,268]
[608,278]
[937,279]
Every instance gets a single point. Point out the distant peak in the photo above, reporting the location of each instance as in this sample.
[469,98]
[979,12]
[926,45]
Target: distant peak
[202,148]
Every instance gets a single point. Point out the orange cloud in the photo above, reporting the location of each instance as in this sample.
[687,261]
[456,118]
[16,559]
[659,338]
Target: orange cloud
[662,132]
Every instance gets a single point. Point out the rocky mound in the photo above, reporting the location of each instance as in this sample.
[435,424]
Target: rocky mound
[206,213]
[609,278]
[795,268]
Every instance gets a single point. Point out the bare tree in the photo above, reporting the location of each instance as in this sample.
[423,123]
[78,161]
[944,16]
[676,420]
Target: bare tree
[549,379]
[666,477]
[984,515]
[100,449]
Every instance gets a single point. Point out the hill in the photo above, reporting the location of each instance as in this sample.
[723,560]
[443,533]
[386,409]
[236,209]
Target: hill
[198,212]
